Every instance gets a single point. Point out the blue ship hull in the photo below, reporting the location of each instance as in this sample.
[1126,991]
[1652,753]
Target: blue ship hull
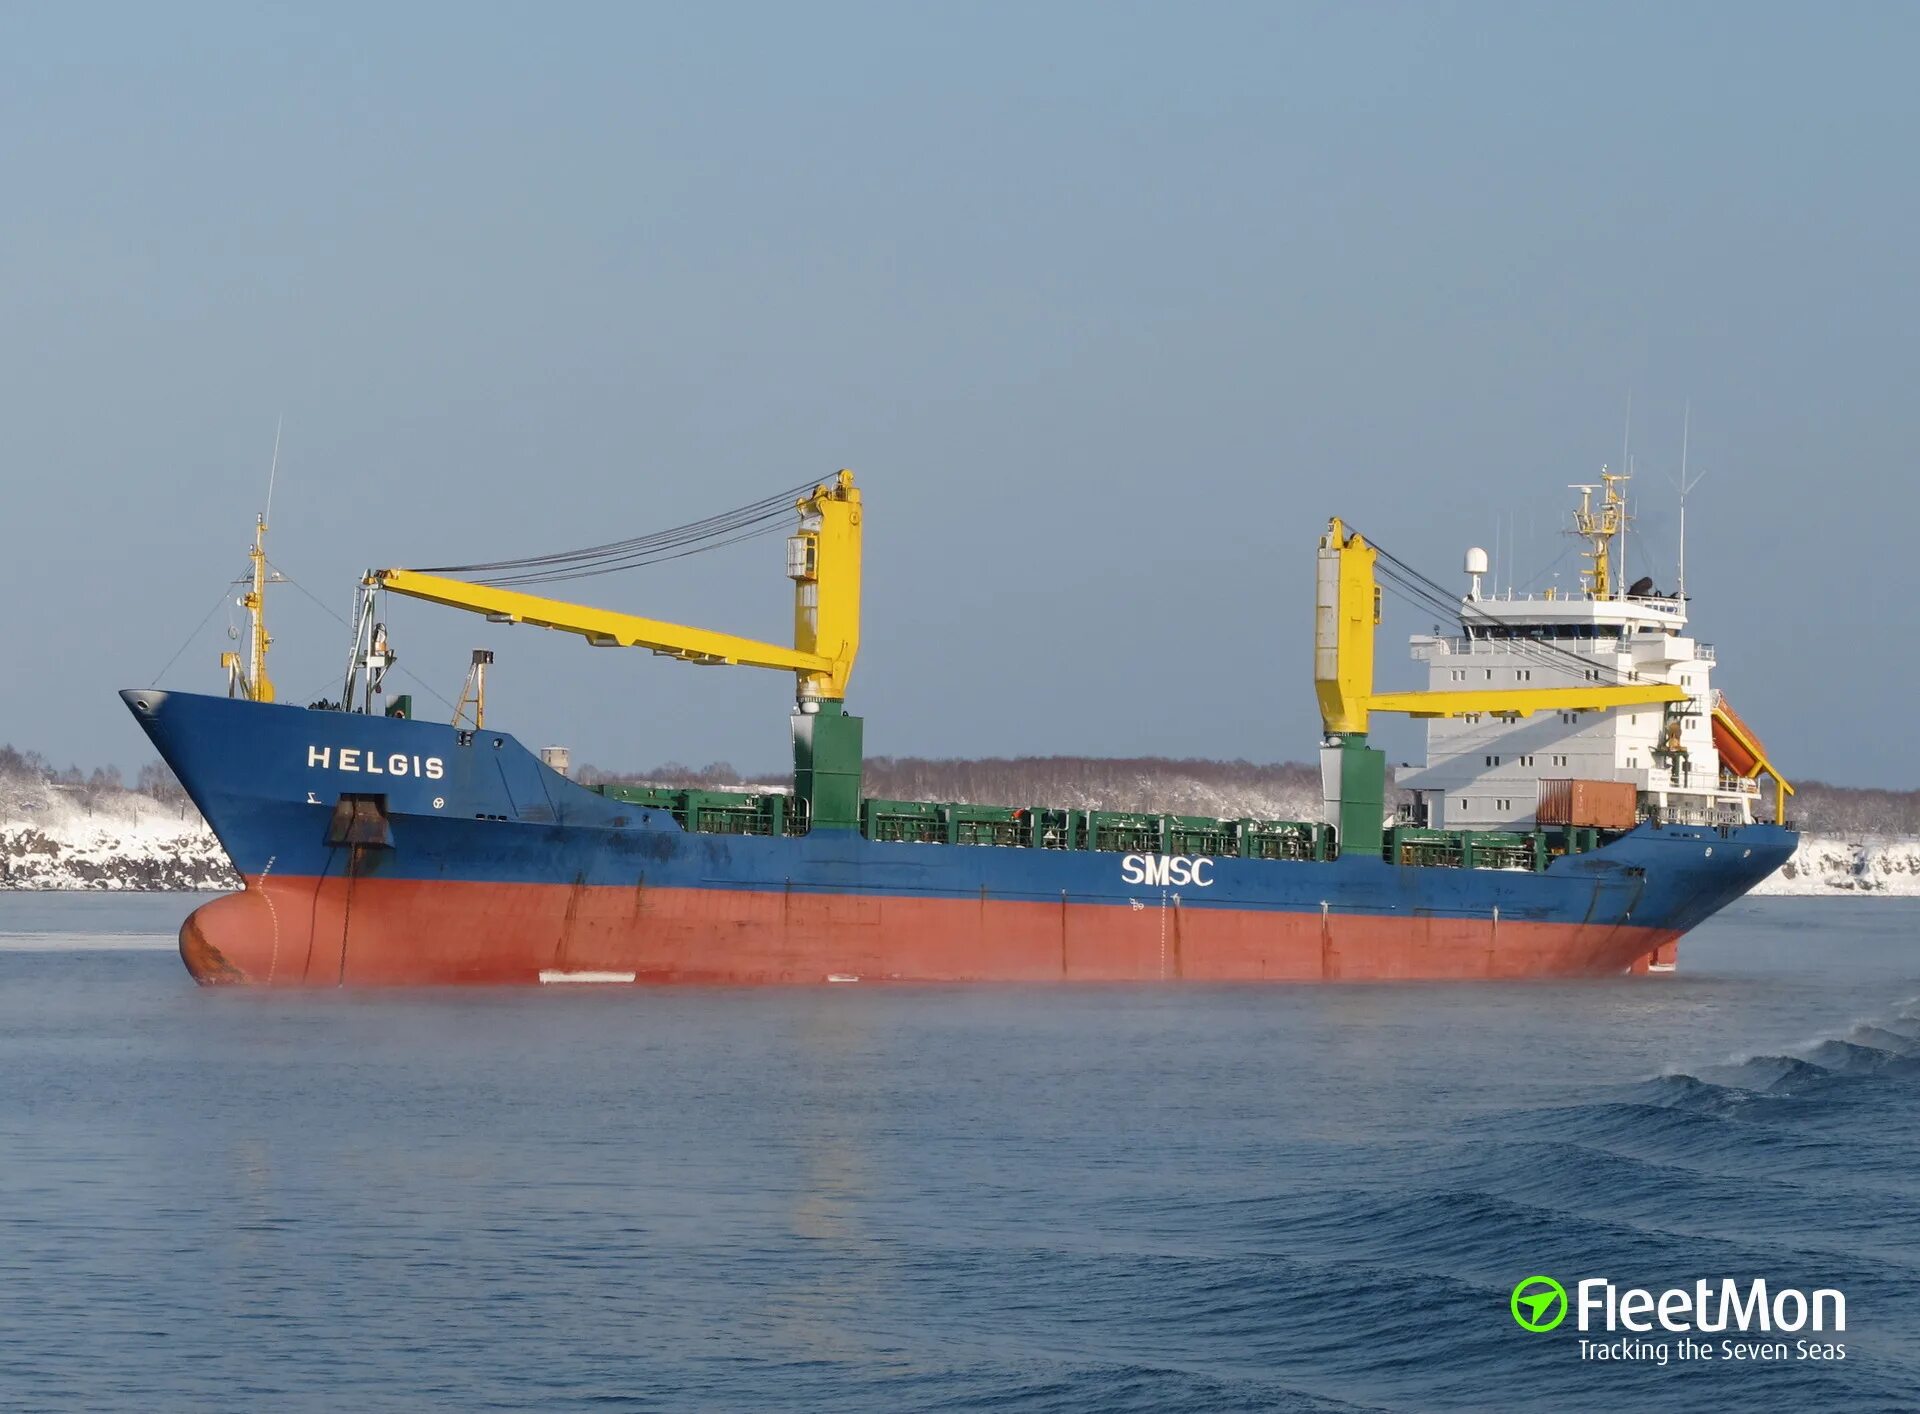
[384,851]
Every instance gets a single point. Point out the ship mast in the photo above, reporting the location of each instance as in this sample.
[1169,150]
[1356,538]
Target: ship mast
[253,683]
[473,695]
[1599,527]
[250,680]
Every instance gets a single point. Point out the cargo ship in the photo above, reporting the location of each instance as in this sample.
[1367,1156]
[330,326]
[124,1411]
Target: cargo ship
[1586,799]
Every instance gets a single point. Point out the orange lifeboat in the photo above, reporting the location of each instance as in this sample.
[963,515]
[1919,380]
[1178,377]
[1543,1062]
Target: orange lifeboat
[1740,750]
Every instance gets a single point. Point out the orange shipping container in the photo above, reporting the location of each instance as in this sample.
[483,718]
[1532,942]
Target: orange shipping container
[1605,805]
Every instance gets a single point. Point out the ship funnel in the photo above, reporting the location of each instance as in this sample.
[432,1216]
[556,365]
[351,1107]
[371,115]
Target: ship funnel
[1476,566]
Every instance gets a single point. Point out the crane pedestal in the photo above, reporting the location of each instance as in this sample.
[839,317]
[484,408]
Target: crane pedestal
[827,754]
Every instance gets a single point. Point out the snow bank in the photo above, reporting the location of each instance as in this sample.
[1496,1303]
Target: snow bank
[65,837]
[1832,865]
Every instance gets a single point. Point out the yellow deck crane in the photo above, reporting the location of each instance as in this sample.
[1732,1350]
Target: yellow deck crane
[1346,612]
[823,560]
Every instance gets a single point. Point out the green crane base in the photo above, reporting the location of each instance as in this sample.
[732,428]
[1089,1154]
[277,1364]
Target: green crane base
[827,749]
[1362,798]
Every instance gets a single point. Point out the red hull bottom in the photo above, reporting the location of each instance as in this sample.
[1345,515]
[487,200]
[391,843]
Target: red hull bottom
[369,932]
[1664,958]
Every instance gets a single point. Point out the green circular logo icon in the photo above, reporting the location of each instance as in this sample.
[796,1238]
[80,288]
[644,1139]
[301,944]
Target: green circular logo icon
[1539,1303]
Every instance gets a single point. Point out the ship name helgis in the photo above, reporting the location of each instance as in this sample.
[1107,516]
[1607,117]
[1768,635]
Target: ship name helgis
[371,761]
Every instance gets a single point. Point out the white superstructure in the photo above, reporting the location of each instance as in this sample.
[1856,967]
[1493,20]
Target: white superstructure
[1483,770]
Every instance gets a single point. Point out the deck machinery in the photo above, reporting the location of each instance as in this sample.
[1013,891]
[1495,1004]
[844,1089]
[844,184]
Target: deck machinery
[823,561]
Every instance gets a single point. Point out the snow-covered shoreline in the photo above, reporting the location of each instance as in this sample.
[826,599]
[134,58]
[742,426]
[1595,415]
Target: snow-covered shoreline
[1834,865]
[53,837]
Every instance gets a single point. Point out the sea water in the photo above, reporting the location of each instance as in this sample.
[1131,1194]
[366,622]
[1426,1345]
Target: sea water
[858,1198]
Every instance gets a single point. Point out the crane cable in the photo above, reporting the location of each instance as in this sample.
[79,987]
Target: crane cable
[756,518]
[187,642]
[1414,588]
[1529,648]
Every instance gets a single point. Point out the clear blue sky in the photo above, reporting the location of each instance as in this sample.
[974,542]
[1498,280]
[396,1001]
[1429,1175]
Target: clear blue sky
[1110,306]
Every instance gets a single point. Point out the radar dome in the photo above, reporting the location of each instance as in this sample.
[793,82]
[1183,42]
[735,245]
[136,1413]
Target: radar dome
[1476,561]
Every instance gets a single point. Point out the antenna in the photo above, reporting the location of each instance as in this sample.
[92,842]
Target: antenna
[1626,460]
[1626,438]
[1624,518]
[1685,484]
[273,471]
[1513,521]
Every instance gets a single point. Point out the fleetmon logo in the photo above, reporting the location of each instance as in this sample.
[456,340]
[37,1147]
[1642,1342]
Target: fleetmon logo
[1539,1303]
